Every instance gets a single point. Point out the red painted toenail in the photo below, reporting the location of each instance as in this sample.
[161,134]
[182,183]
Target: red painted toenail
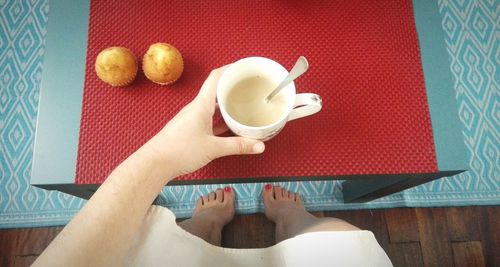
[268,187]
[228,189]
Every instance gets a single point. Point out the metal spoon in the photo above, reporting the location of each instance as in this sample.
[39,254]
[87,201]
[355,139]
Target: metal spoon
[298,69]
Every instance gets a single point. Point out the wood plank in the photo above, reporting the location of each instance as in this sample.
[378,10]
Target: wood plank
[490,234]
[433,231]
[468,254]
[32,241]
[256,231]
[6,247]
[405,254]
[248,231]
[372,220]
[24,241]
[4,260]
[402,225]
[463,223]
[24,261]
[375,221]
[7,237]
[435,227]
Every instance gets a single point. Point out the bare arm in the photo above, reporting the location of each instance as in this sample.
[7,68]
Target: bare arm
[103,231]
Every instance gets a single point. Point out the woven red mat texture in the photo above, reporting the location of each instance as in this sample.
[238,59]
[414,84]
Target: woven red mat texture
[365,63]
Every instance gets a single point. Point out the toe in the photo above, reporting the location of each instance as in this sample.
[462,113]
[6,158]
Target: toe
[211,196]
[298,200]
[267,193]
[278,192]
[199,203]
[228,195]
[219,195]
[205,200]
[291,195]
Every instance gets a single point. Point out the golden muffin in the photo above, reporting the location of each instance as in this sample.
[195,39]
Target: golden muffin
[116,66]
[162,63]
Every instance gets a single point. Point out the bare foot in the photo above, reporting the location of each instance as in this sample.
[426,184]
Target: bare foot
[279,202]
[287,211]
[218,207]
[210,215]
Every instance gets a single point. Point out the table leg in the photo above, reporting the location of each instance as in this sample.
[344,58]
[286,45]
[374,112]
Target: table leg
[84,191]
[371,187]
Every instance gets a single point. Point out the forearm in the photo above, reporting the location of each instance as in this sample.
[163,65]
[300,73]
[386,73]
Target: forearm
[102,232]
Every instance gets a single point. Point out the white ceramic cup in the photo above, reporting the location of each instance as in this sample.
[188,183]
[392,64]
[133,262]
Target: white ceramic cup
[298,105]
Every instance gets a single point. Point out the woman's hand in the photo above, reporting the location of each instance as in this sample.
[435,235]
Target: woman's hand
[102,233]
[188,141]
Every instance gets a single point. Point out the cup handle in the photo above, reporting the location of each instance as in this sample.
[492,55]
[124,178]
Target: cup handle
[305,105]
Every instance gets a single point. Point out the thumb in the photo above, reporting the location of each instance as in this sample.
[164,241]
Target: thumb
[237,146]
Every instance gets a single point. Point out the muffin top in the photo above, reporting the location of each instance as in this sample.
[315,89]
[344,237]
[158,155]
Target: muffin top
[116,66]
[163,63]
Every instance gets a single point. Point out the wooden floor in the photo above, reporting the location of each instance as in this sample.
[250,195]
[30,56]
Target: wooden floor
[463,236]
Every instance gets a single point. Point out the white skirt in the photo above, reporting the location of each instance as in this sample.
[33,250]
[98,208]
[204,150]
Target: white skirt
[161,242]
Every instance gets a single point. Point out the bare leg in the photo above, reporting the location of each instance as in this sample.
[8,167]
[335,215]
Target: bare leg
[210,215]
[287,211]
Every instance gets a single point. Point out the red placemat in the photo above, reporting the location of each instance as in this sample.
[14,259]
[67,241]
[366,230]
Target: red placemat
[365,63]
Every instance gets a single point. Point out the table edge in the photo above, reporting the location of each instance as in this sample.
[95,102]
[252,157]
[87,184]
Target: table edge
[59,112]
[449,143]
[60,102]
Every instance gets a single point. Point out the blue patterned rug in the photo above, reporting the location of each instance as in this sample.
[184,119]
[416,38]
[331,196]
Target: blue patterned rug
[472,36]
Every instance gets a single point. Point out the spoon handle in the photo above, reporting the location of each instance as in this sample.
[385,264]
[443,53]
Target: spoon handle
[298,69]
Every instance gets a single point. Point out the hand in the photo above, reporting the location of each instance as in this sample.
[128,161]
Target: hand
[188,141]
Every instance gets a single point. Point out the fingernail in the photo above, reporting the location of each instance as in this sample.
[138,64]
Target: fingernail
[268,187]
[258,147]
[228,189]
